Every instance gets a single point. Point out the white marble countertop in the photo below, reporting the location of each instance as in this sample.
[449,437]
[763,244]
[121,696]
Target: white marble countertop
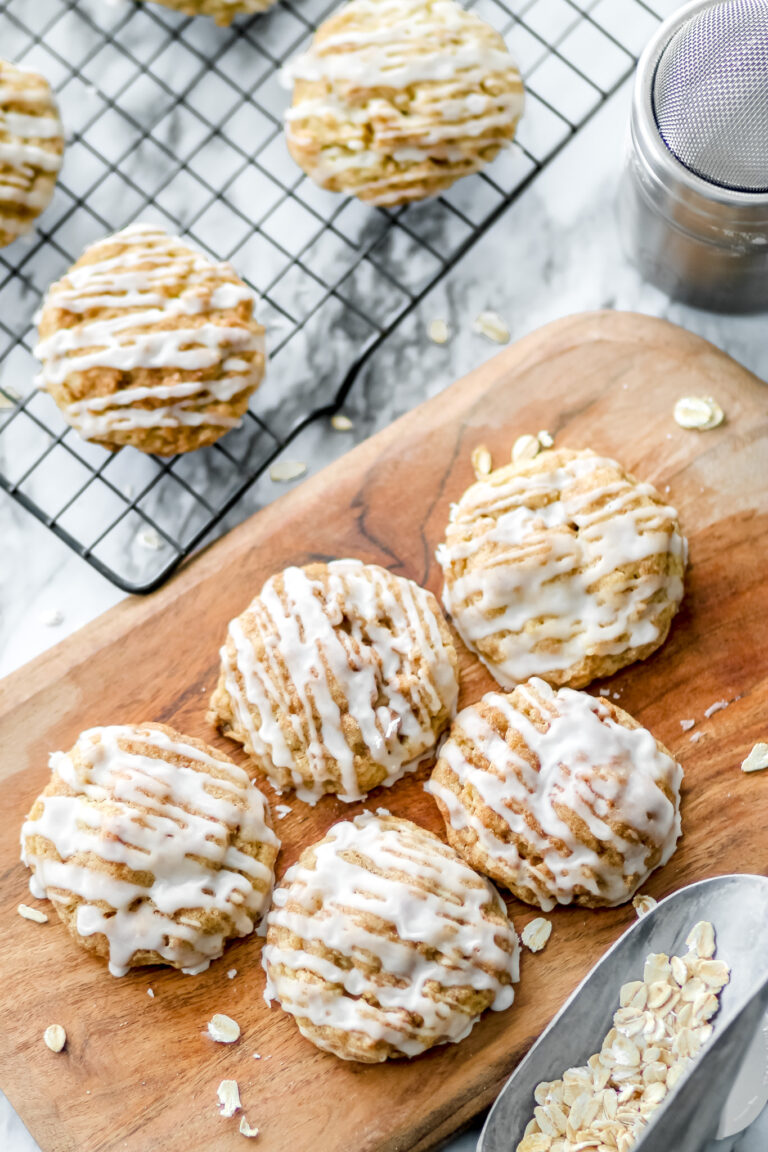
[555,251]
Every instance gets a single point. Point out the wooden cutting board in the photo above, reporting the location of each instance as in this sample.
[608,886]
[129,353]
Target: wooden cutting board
[137,1073]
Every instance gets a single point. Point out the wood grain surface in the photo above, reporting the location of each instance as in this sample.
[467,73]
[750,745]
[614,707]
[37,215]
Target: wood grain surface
[137,1073]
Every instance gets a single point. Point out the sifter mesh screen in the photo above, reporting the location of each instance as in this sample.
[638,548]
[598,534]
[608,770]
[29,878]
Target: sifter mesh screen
[710,94]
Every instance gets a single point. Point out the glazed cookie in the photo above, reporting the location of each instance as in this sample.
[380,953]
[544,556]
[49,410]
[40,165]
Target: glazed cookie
[563,566]
[559,796]
[397,99]
[153,847]
[222,11]
[31,148]
[337,678]
[146,342]
[382,942]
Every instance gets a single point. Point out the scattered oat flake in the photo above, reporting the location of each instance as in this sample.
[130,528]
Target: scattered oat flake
[9,397]
[151,993]
[716,707]
[536,933]
[698,412]
[229,1097]
[341,422]
[286,470]
[282,810]
[51,618]
[482,461]
[55,1037]
[232,973]
[546,439]
[36,915]
[149,538]
[755,762]
[223,1029]
[643,905]
[490,324]
[246,1129]
[525,448]
[438,331]
[686,725]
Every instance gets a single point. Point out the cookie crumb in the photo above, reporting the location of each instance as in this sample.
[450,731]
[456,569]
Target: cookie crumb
[229,1097]
[55,1037]
[546,439]
[286,470]
[438,331]
[536,934]
[341,422]
[223,1029]
[231,973]
[757,759]
[246,1129]
[490,324]
[700,413]
[33,914]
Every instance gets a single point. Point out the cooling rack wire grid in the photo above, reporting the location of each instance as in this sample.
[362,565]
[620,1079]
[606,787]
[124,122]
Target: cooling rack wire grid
[172,120]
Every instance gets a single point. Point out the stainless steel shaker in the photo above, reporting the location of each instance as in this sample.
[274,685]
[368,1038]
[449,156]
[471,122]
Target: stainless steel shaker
[693,202]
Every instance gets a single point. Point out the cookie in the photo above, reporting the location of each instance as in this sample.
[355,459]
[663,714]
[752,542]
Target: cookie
[152,847]
[149,343]
[337,678]
[222,11]
[382,942]
[397,99]
[562,566]
[559,796]
[31,149]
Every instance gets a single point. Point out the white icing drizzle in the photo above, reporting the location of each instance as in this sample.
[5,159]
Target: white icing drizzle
[162,820]
[417,890]
[305,647]
[131,284]
[28,168]
[585,762]
[398,45]
[534,595]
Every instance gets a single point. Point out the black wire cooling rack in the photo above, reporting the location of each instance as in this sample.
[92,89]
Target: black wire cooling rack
[175,121]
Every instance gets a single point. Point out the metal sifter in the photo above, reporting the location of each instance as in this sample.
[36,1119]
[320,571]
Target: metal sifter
[694,195]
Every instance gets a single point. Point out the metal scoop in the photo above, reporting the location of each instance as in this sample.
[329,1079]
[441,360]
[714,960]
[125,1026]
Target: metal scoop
[737,906]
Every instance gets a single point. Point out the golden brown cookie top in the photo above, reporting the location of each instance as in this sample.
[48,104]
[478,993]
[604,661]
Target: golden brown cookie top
[555,559]
[339,677]
[564,795]
[31,147]
[163,842]
[144,332]
[394,86]
[392,927]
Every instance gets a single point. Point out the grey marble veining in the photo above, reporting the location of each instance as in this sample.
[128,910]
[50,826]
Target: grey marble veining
[555,251]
